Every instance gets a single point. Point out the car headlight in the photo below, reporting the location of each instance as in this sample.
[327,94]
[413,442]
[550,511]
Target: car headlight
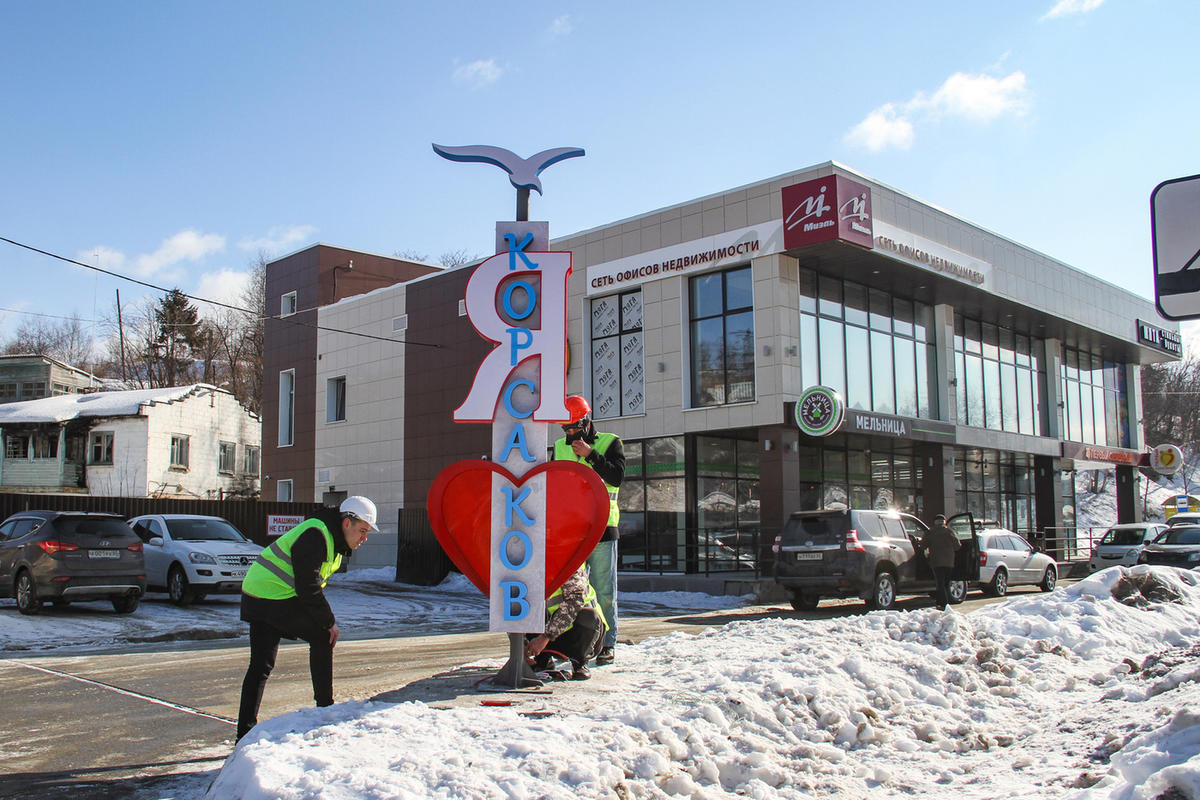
[1193,556]
[201,558]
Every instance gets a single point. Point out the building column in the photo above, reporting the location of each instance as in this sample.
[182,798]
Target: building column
[946,380]
[778,479]
[1128,509]
[1048,501]
[935,465]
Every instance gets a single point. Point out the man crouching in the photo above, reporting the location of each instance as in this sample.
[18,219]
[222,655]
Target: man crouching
[575,627]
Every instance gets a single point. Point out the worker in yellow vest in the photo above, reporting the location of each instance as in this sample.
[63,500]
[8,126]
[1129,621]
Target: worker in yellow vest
[574,627]
[283,597]
[604,453]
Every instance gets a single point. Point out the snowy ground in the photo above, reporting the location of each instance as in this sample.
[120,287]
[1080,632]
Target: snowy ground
[1091,691]
[371,598]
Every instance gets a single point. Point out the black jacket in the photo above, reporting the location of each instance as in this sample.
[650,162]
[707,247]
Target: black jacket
[308,610]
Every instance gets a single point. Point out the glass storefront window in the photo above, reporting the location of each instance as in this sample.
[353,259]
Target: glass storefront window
[996,376]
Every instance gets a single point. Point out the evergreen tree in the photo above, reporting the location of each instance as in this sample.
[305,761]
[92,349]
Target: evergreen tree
[179,336]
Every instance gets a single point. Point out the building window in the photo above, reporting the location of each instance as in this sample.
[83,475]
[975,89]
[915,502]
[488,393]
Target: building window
[287,407]
[45,445]
[8,392]
[250,460]
[997,375]
[1095,407]
[33,389]
[873,347]
[283,490]
[59,389]
[179,452]
[16,446]
[997,487]
[335,399]
[287,304]
[227,457]
[618,356]
[722,338]
[100,447]
[653,501]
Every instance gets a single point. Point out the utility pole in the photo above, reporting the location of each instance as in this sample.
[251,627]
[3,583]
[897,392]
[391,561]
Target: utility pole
[121,331]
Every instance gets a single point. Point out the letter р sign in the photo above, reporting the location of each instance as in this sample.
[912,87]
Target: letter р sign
[826,209]
[1175,226]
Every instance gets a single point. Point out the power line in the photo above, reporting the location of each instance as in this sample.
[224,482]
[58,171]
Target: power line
[255,314]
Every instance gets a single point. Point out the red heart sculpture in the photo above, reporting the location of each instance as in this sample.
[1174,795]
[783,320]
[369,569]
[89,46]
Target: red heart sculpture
[460,512]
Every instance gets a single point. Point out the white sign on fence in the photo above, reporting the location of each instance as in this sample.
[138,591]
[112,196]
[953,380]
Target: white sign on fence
[279,524]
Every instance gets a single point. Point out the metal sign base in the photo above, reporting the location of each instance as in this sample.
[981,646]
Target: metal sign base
[516,673]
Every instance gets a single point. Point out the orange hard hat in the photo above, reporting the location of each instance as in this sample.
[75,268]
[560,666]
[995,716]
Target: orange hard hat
[577,407]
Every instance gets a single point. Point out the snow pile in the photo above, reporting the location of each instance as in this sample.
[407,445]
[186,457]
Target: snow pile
[1082,693]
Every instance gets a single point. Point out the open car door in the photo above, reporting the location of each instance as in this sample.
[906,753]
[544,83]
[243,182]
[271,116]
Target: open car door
[966,560]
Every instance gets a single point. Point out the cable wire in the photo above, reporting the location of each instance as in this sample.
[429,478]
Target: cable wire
[288,319]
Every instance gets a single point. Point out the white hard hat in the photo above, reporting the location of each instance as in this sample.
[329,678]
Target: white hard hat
[361,508]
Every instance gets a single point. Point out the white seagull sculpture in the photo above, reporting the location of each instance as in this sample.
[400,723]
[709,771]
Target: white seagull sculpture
[522,172]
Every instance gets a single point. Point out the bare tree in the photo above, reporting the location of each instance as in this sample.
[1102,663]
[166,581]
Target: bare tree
[66,340]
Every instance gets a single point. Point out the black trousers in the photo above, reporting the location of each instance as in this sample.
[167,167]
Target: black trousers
[941,578]
[581,641]
[264,646]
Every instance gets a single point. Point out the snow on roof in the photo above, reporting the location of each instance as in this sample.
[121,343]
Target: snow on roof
[97,404]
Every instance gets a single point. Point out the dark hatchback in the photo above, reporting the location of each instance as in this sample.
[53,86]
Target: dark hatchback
[874,555]
[63,556]
[1178,546]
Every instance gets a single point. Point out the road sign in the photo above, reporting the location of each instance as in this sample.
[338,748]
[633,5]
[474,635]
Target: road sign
[1175,226]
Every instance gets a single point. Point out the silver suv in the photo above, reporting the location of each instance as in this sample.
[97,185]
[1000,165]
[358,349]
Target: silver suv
[869,554]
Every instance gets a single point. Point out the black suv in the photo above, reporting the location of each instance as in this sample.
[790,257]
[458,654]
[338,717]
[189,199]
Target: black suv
[65,555]
[868,554]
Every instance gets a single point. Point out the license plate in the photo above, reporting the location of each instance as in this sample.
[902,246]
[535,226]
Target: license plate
[809,556]
[237,573]
[104,553]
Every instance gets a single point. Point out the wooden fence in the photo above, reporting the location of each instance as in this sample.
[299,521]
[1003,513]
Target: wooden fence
[248,516]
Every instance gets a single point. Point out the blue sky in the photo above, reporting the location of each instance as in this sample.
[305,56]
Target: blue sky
[173,141]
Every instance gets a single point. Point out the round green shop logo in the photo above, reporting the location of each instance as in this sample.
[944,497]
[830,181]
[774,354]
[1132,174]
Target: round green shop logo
[820,411]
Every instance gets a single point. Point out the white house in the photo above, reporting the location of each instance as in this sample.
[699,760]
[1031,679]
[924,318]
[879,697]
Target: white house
[185,441]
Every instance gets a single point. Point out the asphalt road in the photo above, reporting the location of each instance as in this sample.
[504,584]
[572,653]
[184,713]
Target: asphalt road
[137,724]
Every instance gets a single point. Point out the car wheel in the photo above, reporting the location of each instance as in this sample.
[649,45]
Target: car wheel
[1049,580]
[177,586]
[957,591]
[883,593]
[805,601]
[27,596]
[127,604]
[999,585]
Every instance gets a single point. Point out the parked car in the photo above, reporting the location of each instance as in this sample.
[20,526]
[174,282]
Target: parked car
[869,554]
[189,556]
[62,556]
[1121,544]
[1006,559]
[1184,518]
[1177,546]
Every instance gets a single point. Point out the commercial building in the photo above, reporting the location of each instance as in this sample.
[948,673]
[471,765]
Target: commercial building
[976,373]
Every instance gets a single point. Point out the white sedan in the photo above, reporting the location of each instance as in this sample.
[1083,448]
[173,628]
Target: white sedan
[189,556]
[1006,559]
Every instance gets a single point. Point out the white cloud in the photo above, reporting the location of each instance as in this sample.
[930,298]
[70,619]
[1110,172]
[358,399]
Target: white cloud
[187,245]
[278,239]
[561,26]
[1066,7]
[882,129]
[477,74]
[223,286]
[978,98]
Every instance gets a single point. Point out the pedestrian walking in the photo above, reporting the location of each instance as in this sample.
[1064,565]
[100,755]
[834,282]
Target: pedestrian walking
[283,597]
